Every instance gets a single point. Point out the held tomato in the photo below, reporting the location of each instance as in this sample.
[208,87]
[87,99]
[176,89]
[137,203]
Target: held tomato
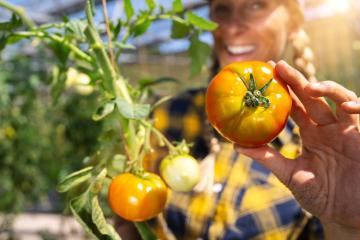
[248,112]
[180,172]
[137,198]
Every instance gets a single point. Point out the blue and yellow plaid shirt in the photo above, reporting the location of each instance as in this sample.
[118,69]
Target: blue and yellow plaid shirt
[247,202]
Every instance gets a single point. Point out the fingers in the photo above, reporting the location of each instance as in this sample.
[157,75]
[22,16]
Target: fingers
[272,159]
[336,93]
[272,63]
[317,108]
[351,107]
[298,112]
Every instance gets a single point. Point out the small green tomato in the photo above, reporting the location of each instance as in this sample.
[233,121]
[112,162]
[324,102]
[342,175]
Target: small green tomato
[181,172]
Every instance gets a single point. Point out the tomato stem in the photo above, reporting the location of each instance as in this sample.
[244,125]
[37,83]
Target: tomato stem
[254,97]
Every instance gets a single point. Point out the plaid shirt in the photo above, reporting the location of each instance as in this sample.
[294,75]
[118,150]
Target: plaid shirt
[247,202]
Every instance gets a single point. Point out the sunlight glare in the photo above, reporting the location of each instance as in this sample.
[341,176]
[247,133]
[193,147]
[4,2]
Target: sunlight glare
[339,6]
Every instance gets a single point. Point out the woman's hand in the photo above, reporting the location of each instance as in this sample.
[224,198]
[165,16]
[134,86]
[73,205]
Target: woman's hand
[325,178]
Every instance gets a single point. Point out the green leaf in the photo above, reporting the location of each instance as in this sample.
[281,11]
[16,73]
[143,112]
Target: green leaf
[100,221]
[61,51]
[77,27]
[200,22]
[96,185]
[177,6]
[199,53]
[103,111]
[124,45]
[129,10]
[3,42]
[74,179]
[132,111]
[145,231]
[88,213]
[151,4]
[179,29]
[116,29]
[11,25]
[141,27]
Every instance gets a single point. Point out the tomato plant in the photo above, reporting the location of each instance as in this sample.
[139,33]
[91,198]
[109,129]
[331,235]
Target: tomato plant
[137,198]
[180,172]
[246,104]
[82,46]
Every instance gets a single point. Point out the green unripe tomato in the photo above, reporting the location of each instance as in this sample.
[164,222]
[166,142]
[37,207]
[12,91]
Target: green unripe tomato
[181,173]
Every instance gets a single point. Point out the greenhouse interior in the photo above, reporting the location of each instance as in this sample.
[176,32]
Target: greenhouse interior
[82,83]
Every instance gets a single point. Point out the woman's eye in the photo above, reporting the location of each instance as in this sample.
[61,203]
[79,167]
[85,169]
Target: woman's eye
[256,5]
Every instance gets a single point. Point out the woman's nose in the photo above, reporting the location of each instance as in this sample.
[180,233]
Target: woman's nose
[236,25]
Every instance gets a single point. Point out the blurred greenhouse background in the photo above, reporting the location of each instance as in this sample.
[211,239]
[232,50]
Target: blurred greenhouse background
[40,142]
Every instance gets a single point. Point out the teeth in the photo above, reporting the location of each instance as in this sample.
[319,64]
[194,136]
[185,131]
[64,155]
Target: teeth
[240,49]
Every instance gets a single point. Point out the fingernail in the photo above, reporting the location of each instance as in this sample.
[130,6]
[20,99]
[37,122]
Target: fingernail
[280,70]
[281,62]
[272,63]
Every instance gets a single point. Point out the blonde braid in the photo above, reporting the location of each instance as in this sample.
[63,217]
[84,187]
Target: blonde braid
[303,55]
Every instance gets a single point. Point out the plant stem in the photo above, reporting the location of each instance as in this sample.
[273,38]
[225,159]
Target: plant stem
[114,82]
[103,59]
[145,231]
[18,11]
[158,134]
[77,51]
[111,52]
[124,40]
[150,18]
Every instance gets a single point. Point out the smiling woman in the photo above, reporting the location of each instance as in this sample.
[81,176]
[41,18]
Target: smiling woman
[256,30]
[251,203]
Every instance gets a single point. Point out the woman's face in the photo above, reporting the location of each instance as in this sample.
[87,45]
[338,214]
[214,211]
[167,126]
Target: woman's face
[250,29]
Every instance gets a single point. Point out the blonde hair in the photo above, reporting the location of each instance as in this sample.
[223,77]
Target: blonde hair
[303,56]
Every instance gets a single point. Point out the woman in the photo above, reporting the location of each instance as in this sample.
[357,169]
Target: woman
[247,201]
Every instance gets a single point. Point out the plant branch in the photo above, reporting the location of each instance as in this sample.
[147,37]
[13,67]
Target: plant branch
[158,134]
[115,83]
[77,51]
[99,50]
[18,11]
[150,18]
[111,52]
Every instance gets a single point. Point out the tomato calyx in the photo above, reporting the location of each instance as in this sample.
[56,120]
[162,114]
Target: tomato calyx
[254,97]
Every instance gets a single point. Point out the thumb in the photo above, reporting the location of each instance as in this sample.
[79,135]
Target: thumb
[281,167]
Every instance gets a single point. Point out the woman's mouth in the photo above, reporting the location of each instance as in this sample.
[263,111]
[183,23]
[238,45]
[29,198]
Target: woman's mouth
[240,52]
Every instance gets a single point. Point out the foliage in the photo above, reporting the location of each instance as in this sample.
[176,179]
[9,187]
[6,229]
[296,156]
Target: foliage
[123,110]
[40,142]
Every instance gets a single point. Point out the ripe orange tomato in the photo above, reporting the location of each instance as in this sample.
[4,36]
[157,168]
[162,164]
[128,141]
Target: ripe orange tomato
[137,198]
[246,104]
